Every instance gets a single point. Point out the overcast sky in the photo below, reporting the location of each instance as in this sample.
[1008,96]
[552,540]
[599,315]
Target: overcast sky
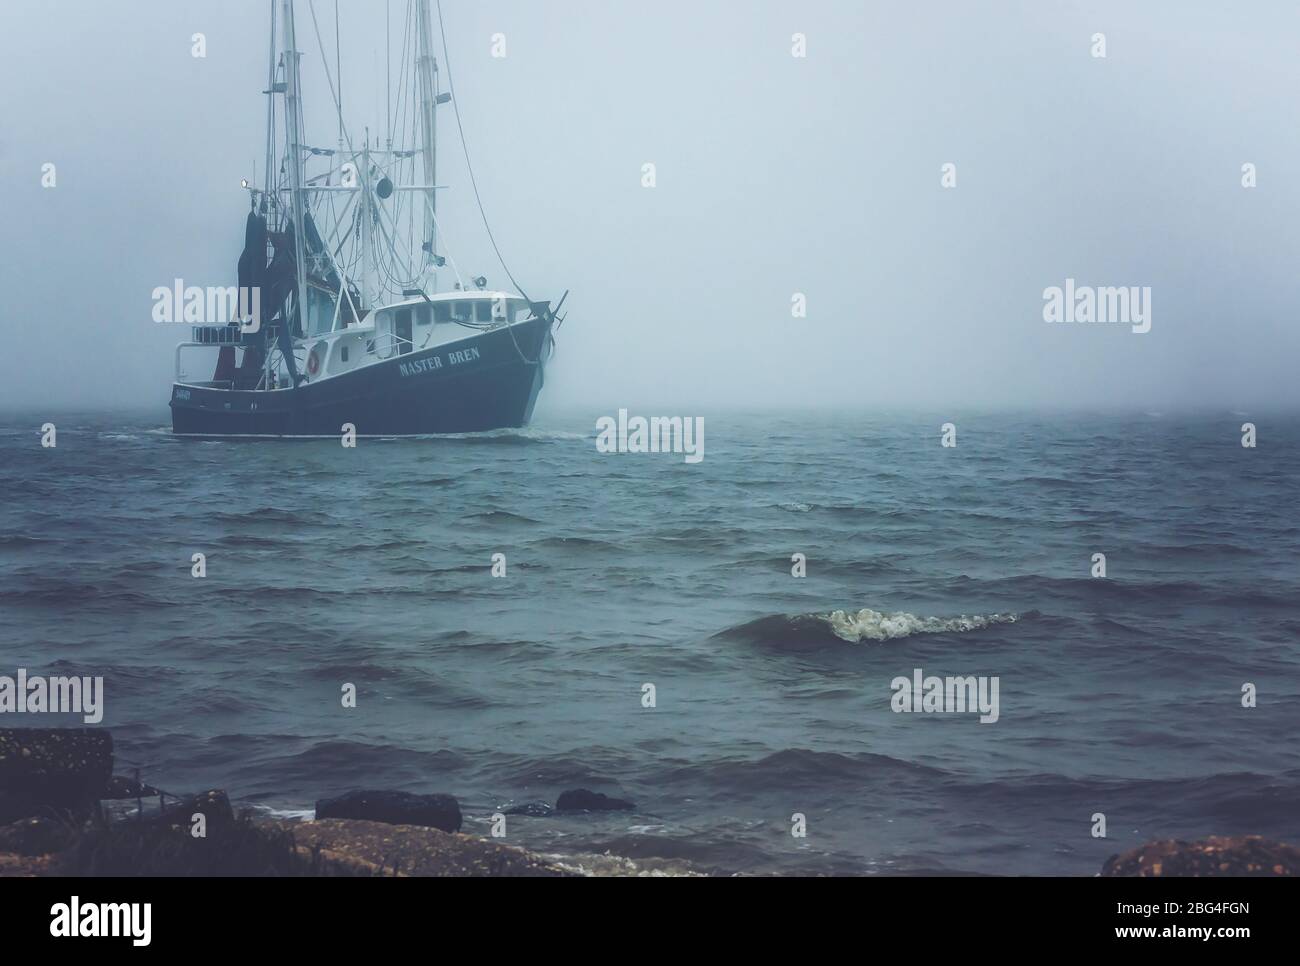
[775,175]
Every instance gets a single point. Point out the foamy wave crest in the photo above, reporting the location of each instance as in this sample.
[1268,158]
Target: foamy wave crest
[829,631]
[874,625]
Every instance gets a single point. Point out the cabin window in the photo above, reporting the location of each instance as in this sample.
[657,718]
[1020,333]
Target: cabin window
[442,311]
[464,311]
[343,354]
[422,315]
[482,311]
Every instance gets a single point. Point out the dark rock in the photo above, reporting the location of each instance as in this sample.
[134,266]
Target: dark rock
[16,805]
[52,769]
[214,806]
[408,850]
[583,800]
[119,787]
[36,836]
[1237,855]
[156,848]
[394,808]
[533,809]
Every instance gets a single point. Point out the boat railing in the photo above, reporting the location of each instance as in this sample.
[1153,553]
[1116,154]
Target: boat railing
[206,384]
[394,341]
[217,335]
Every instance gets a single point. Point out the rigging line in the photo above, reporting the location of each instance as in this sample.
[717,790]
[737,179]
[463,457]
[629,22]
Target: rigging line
[388,70]
[393,263]
[385,268]
[337,96]
[394,266]
[344,270]
[338,104]
[338,224]
[329,77]
[455,103]
[389,262]
[401,78]
[399,115]
[342,127]
[338,66]
[446,244]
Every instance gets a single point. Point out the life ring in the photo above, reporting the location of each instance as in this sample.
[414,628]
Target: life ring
[313,361]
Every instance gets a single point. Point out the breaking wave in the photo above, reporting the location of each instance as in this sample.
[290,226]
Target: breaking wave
[811,630]
[874,625]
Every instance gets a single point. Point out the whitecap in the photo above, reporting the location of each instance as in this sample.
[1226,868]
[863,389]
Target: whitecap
[874,625]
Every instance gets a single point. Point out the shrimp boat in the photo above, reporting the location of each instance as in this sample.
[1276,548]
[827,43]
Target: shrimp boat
[355,336]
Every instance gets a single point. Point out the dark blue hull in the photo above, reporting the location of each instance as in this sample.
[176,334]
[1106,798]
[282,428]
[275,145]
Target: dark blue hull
[485,381]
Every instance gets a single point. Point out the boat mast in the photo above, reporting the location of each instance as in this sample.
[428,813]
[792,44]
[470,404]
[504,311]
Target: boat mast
[271,186]
[367,219]
[427,68]
[293,120]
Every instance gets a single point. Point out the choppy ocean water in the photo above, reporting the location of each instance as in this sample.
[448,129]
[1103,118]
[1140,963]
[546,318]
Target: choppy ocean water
[373,566]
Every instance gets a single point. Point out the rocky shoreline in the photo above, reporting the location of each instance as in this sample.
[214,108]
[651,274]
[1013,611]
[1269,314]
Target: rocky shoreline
[61,815]
[64,812]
